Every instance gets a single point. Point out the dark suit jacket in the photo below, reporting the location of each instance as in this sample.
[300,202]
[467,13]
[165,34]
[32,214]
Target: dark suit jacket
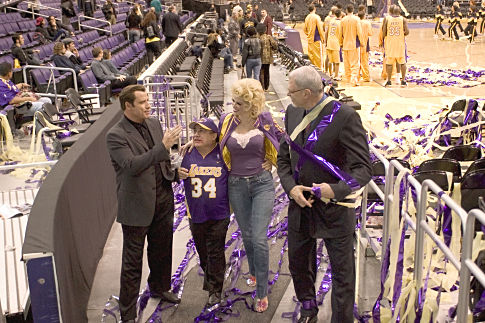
[344,144]
[135,172]
[171,25]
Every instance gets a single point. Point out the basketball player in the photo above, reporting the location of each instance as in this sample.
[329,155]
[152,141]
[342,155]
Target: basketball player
[205,181]
[482,15]
[326,23]
[364,46]
[334,40]
[352,36]
[314,31]
[394,29]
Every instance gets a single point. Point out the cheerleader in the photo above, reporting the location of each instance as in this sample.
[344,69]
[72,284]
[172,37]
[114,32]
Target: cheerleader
[440,17]
[454,21]
[471,28]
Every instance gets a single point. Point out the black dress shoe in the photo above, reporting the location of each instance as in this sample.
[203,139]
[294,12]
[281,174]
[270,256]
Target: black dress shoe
[214,298]
[166,297]
[308,319]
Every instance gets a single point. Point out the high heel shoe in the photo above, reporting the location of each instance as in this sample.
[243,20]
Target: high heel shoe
[261,304]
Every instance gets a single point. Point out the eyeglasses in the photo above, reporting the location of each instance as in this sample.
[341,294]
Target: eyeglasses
[292,92]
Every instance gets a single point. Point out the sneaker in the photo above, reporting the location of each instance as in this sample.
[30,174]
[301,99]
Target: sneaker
[403,83]
[435,36]
[388,83]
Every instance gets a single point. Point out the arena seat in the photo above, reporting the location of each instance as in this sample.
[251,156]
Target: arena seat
[443,164]
[463,153]
[438,176]
[476,165]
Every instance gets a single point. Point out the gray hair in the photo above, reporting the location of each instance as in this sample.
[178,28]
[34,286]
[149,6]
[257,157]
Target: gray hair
[307,77]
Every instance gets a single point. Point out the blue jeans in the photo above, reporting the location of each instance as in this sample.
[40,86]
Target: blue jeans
[36,106]
[134,35]
[228,59]
[253,65]
[252,200]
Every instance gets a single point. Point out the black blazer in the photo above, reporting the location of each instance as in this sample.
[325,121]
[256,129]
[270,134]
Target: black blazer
[171,25]
[135,172]
[344,144]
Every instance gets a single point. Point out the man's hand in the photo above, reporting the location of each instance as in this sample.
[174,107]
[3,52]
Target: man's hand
[297,194]
[36,50]
[325,190]
[187,148]
[121,77]
[171,136]
[267,165]
[183,173]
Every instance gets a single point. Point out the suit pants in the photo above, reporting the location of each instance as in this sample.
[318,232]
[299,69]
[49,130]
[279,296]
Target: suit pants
[264,76]
[302,249]
[351,65]
[364,64]
[210,239]
[117,84]
[159,251]
[169,40]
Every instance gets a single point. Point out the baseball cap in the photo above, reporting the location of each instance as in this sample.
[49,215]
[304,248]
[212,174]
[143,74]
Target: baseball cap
[67,41]
[39,21]
[205,123]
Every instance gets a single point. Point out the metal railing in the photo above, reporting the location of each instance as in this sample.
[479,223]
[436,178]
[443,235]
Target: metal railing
[110,30]
[51,68]
[468,267]
[423,228]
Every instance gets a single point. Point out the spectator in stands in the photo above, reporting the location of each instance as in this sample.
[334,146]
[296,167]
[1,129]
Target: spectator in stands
[89,6]
[152,36]
[134,24]
[314,32]
[58,30]
[268,45]
[41,34]
[72,53]
[256,13]
[267,21]
[171,26]
[219,48]
[109,12]
[351,30]
[103,73]
[244,24]
[61,60]
[214,42]
[25,102]
[109,63]
[251,54]
[140,154]
[68,12]
[158,8]
[24,56]
[234,33]
[365,46]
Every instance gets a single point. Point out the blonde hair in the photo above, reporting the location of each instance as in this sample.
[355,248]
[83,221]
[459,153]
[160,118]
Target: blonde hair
[251,91]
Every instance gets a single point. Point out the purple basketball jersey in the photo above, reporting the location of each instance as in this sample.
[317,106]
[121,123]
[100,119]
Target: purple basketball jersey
[206,187]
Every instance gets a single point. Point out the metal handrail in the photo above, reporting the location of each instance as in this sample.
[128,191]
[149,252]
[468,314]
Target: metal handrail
[467,265]
[51,68]
[110,30]
[422,227]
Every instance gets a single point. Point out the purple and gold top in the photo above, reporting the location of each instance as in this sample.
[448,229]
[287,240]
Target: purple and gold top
[247,151]
[206,187]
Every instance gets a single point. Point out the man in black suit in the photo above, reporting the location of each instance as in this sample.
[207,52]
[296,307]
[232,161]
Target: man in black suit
[139,152]
[171,26]
[342,143]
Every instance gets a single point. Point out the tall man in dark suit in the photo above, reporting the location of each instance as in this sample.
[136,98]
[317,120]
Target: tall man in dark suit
[139,152]
[335,133]
[171,26]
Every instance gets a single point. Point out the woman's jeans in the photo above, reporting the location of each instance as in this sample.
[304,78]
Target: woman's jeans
[134,35]
[252,200]
[253,68]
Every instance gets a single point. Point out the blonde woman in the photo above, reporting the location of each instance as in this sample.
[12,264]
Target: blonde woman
[249,144]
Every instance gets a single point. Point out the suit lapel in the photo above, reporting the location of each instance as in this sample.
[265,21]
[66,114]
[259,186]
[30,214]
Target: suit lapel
[155,130]
[133,133]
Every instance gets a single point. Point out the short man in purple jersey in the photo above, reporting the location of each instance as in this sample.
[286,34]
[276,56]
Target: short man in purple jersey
[205,180]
